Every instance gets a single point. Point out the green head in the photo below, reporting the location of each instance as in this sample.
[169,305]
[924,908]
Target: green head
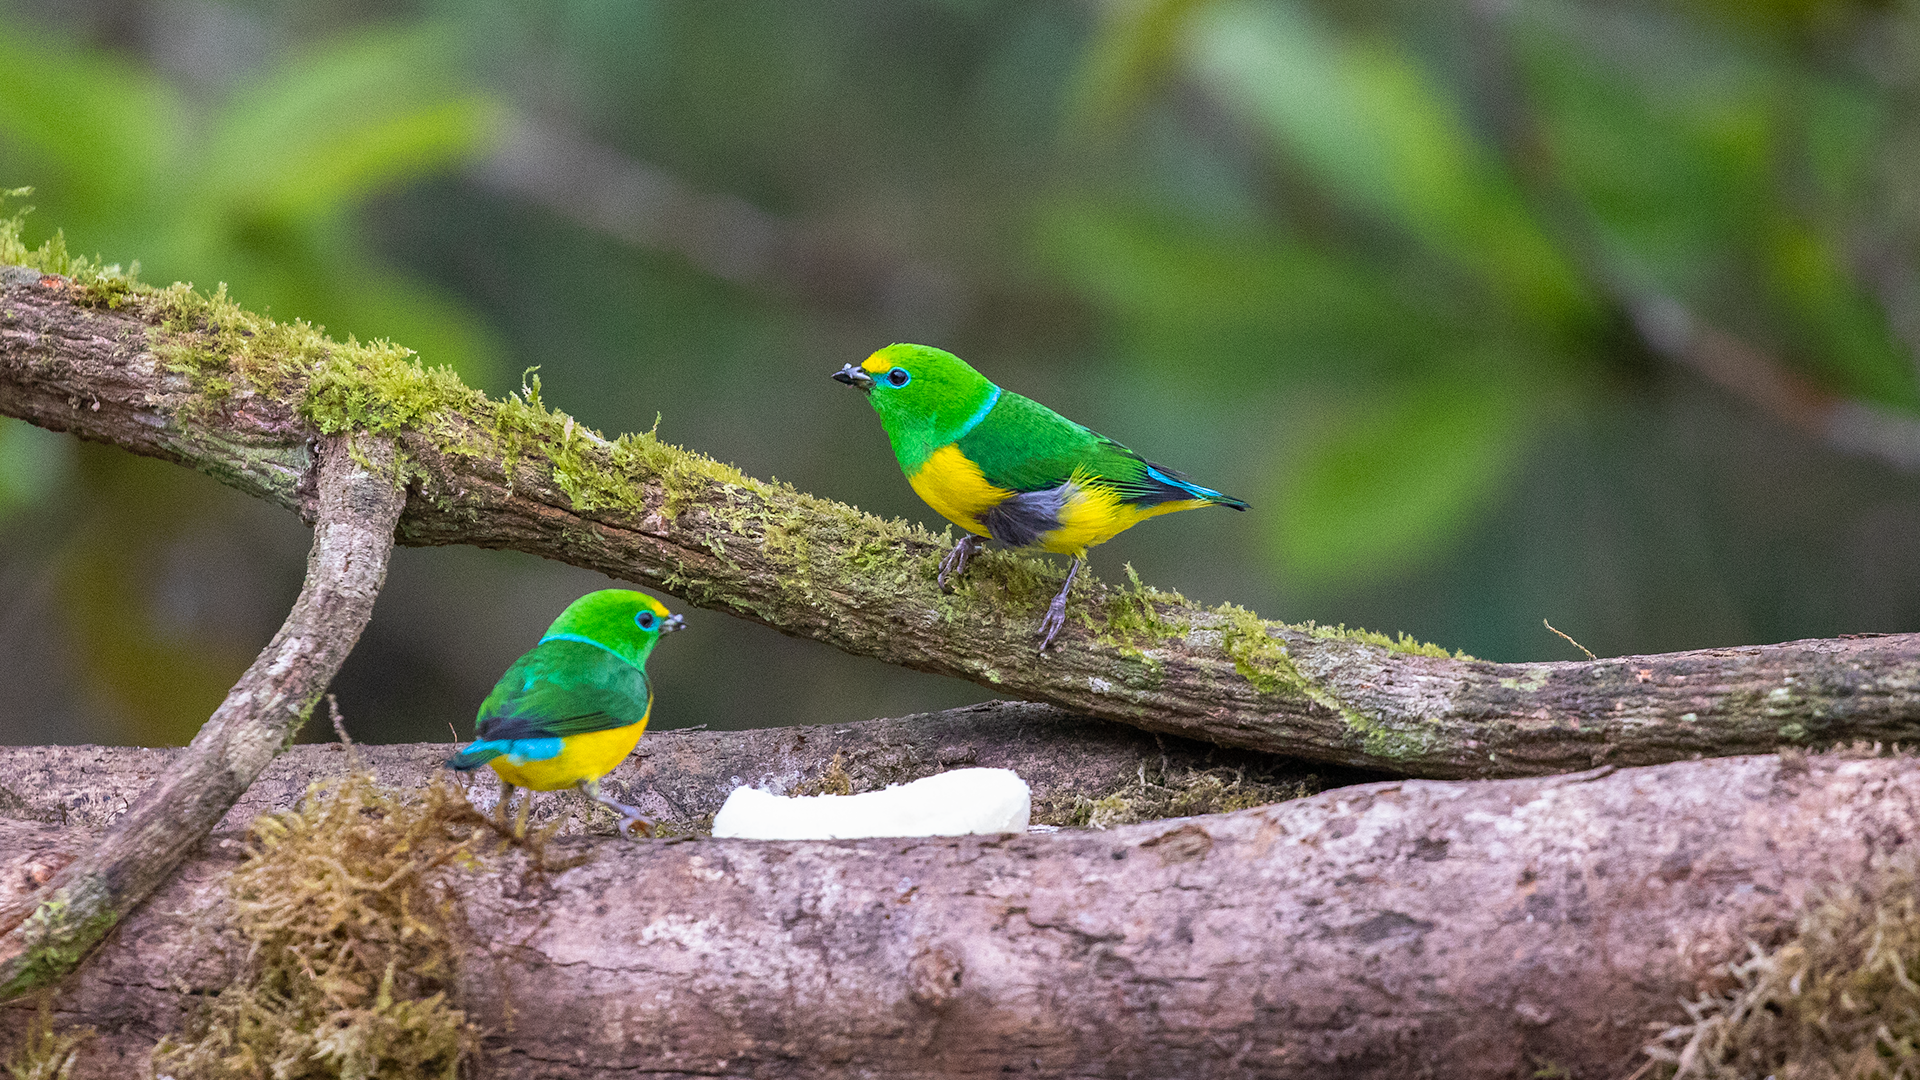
[622,621]
[926,397]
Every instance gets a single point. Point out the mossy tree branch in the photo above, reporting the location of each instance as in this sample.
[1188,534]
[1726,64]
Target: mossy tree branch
[355,502]
[197,380]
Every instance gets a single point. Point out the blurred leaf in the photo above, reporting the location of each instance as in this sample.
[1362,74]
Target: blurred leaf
[108,128]
[1398,480]
[1844,334]
[1664,137]
[1254,303]
[1842,126]
[1777,16]
[1692,174]
[32,463]
[258,191]
[1138,44]
[1386,140]
[344,121]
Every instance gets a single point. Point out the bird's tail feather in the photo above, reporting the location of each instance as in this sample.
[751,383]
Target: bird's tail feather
[476,755]
[1178,482]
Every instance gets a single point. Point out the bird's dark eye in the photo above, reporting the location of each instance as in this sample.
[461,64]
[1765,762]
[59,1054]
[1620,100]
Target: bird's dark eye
[644,620]
[899,377]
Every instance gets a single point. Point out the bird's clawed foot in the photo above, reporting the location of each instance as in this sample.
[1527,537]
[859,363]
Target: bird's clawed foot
[630,816]
[1057,611]
[955,562]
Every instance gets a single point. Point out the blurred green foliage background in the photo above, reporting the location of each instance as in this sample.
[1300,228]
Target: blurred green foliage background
[1604,311]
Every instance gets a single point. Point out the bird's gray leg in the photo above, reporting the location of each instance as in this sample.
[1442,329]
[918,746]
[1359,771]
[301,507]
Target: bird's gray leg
[629,815]
[500,808]
[955,562]
[1057,611]
[520,817]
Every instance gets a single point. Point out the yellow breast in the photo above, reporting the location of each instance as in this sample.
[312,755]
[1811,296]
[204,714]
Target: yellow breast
[582,757]
[954,486]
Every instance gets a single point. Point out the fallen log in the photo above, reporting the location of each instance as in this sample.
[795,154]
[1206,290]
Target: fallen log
[1486,929]
[197,380]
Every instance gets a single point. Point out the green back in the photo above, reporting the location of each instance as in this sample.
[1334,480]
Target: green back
[1024,446]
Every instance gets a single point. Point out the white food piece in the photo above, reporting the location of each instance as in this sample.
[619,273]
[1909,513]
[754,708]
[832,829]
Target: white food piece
[951,804]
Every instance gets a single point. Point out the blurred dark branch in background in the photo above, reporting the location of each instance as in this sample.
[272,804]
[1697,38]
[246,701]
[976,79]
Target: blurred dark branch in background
[1864,428]
[1666,325]
[512,474]
[548,163]
[1663,323]
[608,192]
[1883,262]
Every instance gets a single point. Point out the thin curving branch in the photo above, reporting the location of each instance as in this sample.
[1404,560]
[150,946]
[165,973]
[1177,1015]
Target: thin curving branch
[357,501]
[201,382]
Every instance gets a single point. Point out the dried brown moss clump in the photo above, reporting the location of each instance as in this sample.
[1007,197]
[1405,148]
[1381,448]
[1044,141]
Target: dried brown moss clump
[834,781]
[1177,793]
[47,1053]
[1839,1001]
[351,915]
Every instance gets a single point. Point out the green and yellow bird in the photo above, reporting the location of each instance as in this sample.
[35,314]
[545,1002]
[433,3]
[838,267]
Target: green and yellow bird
[1006,467]
[573,706]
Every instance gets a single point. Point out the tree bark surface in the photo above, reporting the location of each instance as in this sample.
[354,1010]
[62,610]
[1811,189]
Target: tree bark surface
[681,778]
[1392,929]
[510,474]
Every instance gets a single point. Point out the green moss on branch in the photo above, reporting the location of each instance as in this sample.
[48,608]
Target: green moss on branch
[56,940]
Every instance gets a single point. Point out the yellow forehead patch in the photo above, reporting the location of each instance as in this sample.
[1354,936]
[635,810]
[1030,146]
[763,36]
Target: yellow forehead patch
[876,363]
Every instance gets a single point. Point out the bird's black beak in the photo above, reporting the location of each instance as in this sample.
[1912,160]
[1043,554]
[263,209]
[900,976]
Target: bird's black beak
[852,375]
[672,623]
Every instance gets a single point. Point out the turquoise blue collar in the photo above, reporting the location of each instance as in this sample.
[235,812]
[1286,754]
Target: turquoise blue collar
[980,413]
[588,641]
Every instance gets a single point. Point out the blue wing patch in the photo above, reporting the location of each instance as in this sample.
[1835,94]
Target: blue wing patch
[521,751]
